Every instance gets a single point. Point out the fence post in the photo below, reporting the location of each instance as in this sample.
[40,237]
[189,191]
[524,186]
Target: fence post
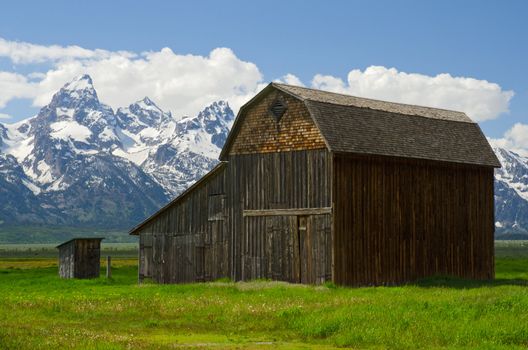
[108,266]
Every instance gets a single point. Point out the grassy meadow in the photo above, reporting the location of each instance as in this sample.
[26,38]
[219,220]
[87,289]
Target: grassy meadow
[38,310]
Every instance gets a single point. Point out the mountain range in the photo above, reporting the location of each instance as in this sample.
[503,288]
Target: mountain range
[79,163]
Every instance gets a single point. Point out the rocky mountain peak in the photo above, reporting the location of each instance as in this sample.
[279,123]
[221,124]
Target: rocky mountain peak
[218,109]
[78,93]
[141,115]
[80,83]
[147,102]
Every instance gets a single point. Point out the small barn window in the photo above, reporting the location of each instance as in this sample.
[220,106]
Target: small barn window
[216,207]
[278,108]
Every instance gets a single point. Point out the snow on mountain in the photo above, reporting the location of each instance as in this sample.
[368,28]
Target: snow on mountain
[192,150]
[80,163]
[19,195]
[511,192]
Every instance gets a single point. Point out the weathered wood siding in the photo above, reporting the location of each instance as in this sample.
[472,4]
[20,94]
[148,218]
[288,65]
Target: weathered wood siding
[272,164]
[399,220]
[67,260]
[267,246]
[188,242]
[261,133]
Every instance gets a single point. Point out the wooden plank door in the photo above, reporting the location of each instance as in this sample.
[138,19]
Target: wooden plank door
[306,273]
[145,254]
[298,248]
[314,247]
[282,248]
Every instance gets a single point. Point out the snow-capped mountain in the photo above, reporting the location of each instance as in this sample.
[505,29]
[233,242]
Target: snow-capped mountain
[511,193]
[78,163]
[191,150]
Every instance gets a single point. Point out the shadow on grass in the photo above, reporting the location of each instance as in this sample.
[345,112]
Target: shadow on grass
[459,283]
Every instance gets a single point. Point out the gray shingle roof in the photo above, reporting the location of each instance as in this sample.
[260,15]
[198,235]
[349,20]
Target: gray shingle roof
[368,131]
[347,100]
[357,125]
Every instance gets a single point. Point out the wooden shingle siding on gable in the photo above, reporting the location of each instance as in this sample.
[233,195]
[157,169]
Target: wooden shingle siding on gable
[332,188]
[261,133]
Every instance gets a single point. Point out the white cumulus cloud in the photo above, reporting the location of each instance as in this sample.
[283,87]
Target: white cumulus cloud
[14,85]
[515,139]
[290,79]
[5,116]
[182,84]
[479,99]
[22,52]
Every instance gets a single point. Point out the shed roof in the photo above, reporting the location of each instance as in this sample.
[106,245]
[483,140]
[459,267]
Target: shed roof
[81,238]
[359,125]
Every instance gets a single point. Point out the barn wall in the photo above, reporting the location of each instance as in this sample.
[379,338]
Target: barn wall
[397,221]
[261,133]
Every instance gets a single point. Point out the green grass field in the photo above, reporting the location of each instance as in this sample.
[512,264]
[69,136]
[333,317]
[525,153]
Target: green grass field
[40,311]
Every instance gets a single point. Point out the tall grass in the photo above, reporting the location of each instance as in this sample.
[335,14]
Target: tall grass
[40,311]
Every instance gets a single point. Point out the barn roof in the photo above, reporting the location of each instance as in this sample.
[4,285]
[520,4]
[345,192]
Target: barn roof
[361,102]
[358,125]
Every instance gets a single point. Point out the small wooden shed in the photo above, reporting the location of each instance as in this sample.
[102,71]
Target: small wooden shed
[80,258]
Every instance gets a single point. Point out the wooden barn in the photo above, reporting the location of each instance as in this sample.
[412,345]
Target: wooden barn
[80,258]
[316,186]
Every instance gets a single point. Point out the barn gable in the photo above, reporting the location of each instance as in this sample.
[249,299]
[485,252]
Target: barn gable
[274,121]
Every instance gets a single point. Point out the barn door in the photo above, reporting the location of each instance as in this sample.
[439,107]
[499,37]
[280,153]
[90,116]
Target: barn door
[281,256]
[299,248]
[305,250]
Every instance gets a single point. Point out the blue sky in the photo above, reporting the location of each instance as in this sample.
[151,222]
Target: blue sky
[483,40]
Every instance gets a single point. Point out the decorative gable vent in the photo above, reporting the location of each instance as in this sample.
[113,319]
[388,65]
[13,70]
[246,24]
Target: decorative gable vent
[278,108]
